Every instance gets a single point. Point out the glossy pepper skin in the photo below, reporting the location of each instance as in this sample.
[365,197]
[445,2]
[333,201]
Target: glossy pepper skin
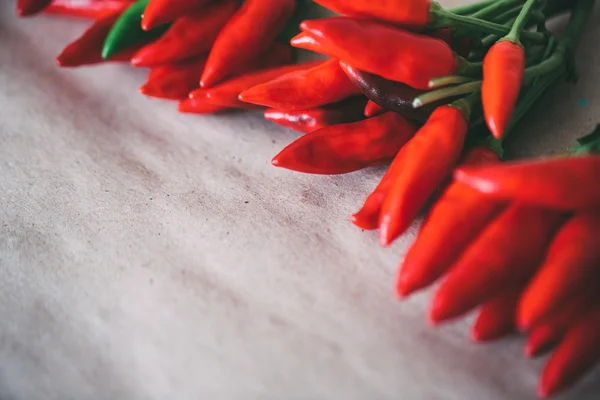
[458,216]
[127,33]
[27,8]
[345,148]
[87,49]
[576,355]
[504,256]
[86,9]
[191,106]
[558,183]
[189,36]
[426,161]
[227,93]
[413,59]
[243,38]
[503,68]
[306,121]
[409,13]
[159,12]
[324,84]
[394,96]
[573,260]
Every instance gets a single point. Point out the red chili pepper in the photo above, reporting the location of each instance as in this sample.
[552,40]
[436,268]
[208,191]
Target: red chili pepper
[86,9]
[548,333]
[463,48]
[301,90]
[197,107]
[249,33]
[189,36]
[27,8]
[426,161]
[87,49]
[496,317]
[561,183]
[503,68]
[176,81]
[408,13]
[372,109]
[159,12]
[572,261]
[577,354]
[345,148]
[413,59]
[504,256]
[318,118]
[226,93]
[455,220]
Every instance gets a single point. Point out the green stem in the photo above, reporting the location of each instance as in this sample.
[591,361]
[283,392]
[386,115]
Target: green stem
[444,93]
[521,22]
[448,80]
[474,7]
[577,23]
[554,62]
[441,18]
[496,8]
[508,17]
[466,105]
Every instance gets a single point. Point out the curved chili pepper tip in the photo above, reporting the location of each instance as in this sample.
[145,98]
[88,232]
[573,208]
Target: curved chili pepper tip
[540,339]
[26,8]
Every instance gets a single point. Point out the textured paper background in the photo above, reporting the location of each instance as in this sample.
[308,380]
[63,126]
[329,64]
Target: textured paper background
[150,255]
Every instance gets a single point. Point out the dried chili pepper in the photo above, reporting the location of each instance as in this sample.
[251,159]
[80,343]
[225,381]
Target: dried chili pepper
[426,161]
[496,317]
[577,353]
[127,33]
[394,96]
[455,220]
[192,106]
[27,8]
[505,255]
[503,68]
[372,109]
[86,9]
[226,93]
[243,39]
[414,59]
[87,49]
[345,148]
[159,12]
[306,121]
[188,36]
[572,261]
[300,90]
[558,183]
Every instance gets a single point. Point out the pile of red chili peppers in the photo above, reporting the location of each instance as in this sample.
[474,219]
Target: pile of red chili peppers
[433,91]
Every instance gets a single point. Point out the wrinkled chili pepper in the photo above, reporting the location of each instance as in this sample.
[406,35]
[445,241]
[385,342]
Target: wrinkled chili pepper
[86,9]
[306,121]
[188,36]
[192,106]
[505,255]
[394,96]
[414,59]
[458,216]
[572,261]
[576,355]
[426,161]
[27,8]
[301,90]
[127,33]
[372,109]
[176,81]
[159,12]
[503,68]
[558,183]
[345,148]
[226,93]
[243,38]
[87,49]
[496,317]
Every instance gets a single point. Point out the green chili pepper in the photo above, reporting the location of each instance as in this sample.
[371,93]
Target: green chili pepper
[127,31]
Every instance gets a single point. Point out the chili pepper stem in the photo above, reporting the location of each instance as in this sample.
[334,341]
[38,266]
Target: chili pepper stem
[476,8]
[466,104]
[519,24]
[448,80]
[497,7]
[444,93]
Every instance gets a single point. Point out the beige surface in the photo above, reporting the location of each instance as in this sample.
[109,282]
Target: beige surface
[150,255]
